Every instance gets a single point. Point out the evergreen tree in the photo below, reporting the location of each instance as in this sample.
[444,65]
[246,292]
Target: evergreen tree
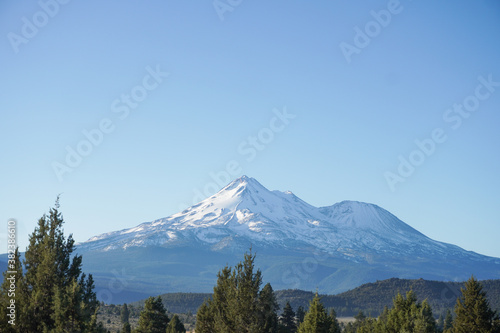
[369,325]
[268,307]
[124,314]
[237,303]
[247,285]
[67,307]
[407,315]
[126,328]
[423,318]
[448,320]
[399,318]
[124,318]
[53,294]
[224,299]
[300,314]
[316,319]
[287,320]
[473,312]
[360,317]
[496,325]
[358,324]
[153,319]
[334,323]
[440,323]
[175,325]
[204,318]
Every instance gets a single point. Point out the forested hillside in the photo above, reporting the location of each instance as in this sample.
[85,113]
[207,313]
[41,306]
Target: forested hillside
[372,297]
[369,298]
[180,302]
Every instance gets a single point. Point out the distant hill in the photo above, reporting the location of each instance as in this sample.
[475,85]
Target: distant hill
[180,302]
[369,298]
[372,297]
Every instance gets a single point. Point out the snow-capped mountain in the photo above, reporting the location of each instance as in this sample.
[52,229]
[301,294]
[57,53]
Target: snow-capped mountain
[246,211]
[351,238]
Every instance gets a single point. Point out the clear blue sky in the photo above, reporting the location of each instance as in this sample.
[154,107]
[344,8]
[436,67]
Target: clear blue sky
[356,103]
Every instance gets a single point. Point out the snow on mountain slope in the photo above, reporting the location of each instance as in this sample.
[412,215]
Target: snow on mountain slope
[246,212]
[244,209]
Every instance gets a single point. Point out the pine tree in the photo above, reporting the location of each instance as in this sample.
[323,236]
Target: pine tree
[360,317]
[268,307]
[407,315]
[316,319]
[175,325]
[153,319]
[204,318]
[67,308]
[223,307]
[126,328]
[237,303]
[334,323]
[124,318]
[124,314]
[473,312]
[440,323]
[247,285]
[287,320]
[369,325]
[399,316]
[382,320]
[423,319]
[53,294]
[360,323]
[300,314]
[496,325]
[448,320]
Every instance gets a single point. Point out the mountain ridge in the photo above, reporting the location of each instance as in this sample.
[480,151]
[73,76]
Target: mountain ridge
[246,209]
[335,248]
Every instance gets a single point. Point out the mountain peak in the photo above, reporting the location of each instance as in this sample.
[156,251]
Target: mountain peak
[245,212]
[347,241]
[244,182]
[244,178]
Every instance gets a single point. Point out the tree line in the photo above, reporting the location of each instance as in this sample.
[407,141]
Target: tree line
[152,319]
[472,315]
[371,298]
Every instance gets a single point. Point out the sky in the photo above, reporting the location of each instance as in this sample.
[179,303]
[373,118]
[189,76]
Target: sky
[134,110]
